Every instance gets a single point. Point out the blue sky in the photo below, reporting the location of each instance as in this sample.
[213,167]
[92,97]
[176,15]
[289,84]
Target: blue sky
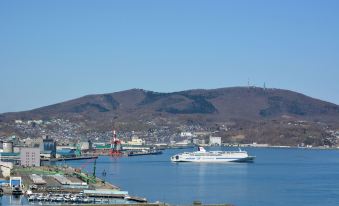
[52,51]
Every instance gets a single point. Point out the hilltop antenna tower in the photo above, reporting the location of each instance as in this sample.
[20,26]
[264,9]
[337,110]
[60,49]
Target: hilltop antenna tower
[248,84]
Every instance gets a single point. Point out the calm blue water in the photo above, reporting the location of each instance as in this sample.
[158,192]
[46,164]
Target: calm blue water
[277,177]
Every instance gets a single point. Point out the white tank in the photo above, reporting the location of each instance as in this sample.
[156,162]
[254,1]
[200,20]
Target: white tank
[8,147]
[85,146]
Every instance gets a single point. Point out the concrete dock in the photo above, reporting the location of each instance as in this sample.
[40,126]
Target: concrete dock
[69,158]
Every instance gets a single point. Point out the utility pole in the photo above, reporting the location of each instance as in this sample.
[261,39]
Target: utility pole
[94,168]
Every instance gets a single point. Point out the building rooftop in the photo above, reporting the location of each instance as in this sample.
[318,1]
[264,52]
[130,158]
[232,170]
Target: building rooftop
[9,154]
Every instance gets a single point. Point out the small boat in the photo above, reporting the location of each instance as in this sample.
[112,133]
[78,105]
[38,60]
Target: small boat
[40,198]
[45,198]
[74,199]
[87,200]
[17,191]
[67,199]
[59,199]
[213,156]
[136,199]
[32,198]
[98,200]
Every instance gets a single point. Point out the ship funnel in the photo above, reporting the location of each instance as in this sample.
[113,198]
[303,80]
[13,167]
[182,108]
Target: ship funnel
[201,149]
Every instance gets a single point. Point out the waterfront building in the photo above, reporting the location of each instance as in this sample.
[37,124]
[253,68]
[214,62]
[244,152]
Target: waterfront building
[10,157]
[86,145]
[102,146]
[65,153]
[18,121]
[15,181]
[30,157]
[48,147]
[184,142]
[199,141]
[186,134]
[8,147]
[33,142]
[215,141]
[136,141]
[17,148]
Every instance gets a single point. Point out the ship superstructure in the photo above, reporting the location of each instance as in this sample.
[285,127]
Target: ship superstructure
[213,156]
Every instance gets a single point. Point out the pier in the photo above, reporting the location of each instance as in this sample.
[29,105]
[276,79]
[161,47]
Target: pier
[66,185]
[69,158]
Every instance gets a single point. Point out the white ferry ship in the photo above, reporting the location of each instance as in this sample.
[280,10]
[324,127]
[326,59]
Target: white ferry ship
[213,156]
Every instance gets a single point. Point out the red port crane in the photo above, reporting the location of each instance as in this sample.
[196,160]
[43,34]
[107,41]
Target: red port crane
[115,145]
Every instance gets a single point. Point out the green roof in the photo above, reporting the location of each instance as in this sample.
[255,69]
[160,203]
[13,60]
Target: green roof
[103,146]
[9,154]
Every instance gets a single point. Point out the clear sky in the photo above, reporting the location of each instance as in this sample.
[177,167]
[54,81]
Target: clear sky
[52,51]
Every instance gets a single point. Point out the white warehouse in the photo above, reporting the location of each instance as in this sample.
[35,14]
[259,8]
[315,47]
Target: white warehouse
[215,141]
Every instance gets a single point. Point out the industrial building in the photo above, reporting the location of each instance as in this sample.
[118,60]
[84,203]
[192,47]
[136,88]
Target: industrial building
[86,145]
[48,148]
[68,153]
[30,157]
[10,157]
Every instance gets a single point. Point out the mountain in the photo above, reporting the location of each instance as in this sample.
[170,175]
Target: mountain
[245,107]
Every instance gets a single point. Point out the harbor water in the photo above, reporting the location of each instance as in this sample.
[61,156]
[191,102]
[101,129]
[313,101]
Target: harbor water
[278,176]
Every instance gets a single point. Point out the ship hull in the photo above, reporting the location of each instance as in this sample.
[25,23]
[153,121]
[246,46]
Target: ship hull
[214,156]
[214,160]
